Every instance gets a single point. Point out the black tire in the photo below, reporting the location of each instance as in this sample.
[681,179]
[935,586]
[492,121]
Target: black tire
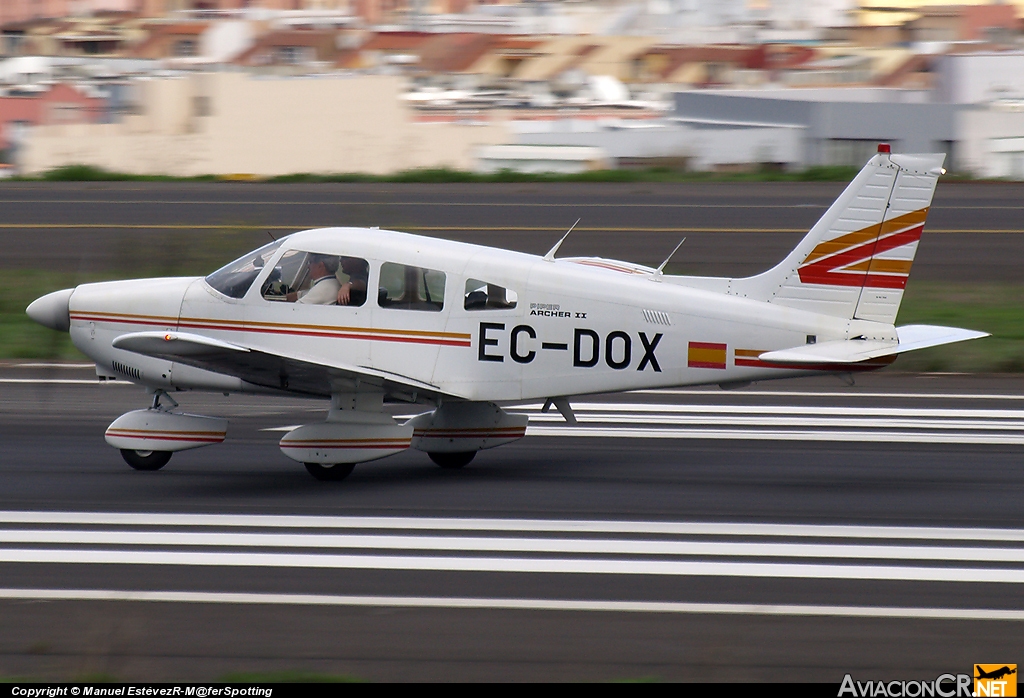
[145,460]
[452,461]
[330,473]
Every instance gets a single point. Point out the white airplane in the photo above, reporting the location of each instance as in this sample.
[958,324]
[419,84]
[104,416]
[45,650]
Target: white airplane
[462,328]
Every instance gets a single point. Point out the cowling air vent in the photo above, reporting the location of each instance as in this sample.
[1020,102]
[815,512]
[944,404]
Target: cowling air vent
[127,370]
[657,317]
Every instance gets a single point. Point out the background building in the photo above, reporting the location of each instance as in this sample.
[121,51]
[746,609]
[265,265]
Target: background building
[229,123]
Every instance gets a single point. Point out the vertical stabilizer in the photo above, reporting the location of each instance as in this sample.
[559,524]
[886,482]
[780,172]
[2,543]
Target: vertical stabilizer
[854,263]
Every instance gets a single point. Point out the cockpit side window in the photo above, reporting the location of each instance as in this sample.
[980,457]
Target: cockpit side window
[410,288]
[317,279]
[234,280]
[481,295]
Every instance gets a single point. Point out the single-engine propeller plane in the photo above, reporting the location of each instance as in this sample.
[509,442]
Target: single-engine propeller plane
[367,316]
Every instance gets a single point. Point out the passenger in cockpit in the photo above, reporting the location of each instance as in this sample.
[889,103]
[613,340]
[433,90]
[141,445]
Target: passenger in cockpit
[353,290]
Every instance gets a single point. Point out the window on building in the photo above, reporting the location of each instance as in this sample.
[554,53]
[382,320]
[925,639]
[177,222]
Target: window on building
[66,113]
[13,43]
[849,152]
[294,54]
[201,105]
[185,48]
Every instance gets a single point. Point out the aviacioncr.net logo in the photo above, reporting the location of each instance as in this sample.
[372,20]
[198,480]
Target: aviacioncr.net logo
[995,680]
[944,686]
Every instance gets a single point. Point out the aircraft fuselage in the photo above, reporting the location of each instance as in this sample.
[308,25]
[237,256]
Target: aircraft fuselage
[577,326]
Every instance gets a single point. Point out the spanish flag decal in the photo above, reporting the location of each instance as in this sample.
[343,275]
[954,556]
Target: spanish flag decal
[705,355]
[868,257]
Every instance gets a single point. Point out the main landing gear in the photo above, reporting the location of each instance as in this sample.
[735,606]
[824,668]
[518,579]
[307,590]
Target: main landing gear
[452,461]
[330,473]
[145,460]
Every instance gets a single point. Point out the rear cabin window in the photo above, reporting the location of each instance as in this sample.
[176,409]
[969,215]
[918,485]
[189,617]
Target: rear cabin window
[480,295]
[410,288]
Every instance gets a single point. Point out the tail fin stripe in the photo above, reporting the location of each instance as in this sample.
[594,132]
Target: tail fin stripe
[839,269]
[883,266]
[839,244]
[867,234]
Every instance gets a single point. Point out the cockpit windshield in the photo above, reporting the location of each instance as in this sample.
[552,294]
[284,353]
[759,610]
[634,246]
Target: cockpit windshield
[235,279]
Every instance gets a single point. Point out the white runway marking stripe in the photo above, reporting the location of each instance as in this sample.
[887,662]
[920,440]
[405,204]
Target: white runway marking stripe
[768,435]
[582,546]
[73,518]
[62,381]
[983,614]
[777,394]
[630,566]
[51,364]
[547,547]
[610,408]
[784,423]
[715,420]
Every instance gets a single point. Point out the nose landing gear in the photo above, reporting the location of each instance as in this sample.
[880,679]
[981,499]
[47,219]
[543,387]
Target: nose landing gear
[147,438]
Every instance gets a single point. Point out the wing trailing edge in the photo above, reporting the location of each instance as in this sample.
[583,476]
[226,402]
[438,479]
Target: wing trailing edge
[852,351]
[269,370]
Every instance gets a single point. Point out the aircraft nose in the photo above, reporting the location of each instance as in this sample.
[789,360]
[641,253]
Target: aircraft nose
[52,310]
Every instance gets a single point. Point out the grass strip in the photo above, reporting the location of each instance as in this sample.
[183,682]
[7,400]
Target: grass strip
[993,308]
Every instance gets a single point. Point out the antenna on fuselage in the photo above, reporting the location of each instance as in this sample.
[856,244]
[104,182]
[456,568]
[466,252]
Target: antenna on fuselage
[550,256]
[656,276]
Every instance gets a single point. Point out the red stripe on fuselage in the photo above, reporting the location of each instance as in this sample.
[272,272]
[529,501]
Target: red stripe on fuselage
[369,335]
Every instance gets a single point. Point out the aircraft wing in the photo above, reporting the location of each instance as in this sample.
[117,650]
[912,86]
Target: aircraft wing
[270,370]
[851,351]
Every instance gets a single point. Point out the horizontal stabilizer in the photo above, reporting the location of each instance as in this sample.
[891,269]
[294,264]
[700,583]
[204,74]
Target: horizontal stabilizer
[923,336]
[851,351]
[841,351]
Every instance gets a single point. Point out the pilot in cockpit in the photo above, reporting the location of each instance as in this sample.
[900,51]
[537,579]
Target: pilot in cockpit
[324,286]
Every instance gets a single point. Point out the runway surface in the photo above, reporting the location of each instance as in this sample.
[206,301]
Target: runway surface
[801,529]
[973,231]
